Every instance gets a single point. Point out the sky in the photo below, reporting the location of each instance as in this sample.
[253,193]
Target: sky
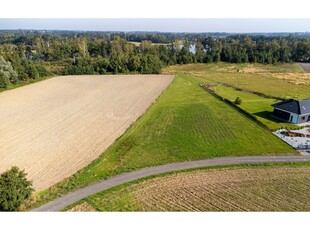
[237,16]
[232,25]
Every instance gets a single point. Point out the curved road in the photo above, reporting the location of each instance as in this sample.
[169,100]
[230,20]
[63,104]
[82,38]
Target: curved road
[79,194]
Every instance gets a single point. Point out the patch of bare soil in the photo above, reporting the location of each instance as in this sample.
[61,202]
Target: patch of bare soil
[56,127]
[252,189]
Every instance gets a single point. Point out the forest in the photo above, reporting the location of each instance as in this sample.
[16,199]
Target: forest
[29,54]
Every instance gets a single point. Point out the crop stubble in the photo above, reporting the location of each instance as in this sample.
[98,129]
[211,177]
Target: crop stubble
[54,128]
[270,189]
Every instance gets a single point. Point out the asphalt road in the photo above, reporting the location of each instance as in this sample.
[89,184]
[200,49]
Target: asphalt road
[305,66]
[60,203]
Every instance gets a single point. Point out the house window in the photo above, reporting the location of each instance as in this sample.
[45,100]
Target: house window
[303,118]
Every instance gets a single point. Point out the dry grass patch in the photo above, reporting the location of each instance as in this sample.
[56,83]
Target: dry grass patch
[294,78]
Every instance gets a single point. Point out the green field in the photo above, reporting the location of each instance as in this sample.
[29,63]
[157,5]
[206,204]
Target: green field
[258,106]
[254,77]
[262,187]
[185,123]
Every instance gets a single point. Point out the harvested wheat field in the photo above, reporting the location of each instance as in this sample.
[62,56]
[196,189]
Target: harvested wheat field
[260,188]
[56,127]
[265,189]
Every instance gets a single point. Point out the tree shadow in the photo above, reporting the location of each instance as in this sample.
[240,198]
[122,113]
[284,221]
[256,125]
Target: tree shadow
[268,116]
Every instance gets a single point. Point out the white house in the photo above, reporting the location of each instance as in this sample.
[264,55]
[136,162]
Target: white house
[292,111]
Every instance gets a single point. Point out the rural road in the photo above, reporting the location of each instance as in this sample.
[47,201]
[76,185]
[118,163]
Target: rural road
[305,66]
[79,194]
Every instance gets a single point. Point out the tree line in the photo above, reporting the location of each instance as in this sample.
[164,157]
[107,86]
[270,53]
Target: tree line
[28,55]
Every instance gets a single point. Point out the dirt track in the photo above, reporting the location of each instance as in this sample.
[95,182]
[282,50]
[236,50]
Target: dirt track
[56,127]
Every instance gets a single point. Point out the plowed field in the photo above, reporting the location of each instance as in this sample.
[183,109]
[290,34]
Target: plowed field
[262,188]
[54,128]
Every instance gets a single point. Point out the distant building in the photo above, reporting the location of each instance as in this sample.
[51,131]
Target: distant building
[292,111]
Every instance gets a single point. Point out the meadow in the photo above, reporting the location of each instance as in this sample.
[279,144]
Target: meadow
[281,80]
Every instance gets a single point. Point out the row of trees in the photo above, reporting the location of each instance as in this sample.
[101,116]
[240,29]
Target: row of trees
[33,54]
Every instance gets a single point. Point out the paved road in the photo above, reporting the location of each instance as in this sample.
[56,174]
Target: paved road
[305,66]
[79,194]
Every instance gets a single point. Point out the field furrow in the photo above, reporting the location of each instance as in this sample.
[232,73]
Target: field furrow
[54,128]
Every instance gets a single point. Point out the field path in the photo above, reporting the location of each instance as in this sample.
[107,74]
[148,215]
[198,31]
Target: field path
[56,127]
[79,194]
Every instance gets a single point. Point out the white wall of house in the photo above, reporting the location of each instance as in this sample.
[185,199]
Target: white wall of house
[294,118]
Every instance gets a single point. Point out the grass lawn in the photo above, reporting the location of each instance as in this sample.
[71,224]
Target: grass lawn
[185,123]
[260,187]
[256,105]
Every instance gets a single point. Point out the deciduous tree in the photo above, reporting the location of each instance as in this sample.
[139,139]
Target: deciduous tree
[15,188]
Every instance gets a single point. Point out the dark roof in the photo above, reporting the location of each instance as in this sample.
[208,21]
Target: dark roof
[294,106]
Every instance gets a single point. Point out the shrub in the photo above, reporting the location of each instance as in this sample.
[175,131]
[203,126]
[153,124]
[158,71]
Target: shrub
[14,189]
[238,101]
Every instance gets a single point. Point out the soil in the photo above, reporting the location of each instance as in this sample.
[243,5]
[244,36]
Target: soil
[252,189]
[56,127]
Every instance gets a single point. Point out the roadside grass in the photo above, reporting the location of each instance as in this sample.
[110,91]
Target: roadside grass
[254,77]
[258,106]
[185,123]
[243,194]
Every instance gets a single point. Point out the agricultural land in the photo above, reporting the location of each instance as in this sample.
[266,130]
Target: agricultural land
[185,123]
[269,187]
[56,127]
